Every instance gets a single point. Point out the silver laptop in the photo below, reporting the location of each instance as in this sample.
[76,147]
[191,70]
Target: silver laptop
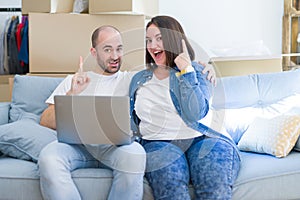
[93,119]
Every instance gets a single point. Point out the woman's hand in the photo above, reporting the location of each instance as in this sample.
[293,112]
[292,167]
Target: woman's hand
[183,60]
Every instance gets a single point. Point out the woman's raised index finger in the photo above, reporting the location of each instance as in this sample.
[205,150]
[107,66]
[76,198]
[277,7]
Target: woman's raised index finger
[184,48]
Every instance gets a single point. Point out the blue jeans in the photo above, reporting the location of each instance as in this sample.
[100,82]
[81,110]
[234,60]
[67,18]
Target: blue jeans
[58,160]
[211,165]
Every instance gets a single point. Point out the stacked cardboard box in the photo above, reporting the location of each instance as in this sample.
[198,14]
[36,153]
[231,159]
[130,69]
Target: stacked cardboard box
[57,40]
[147,7]
[5,93]
[245,65]
[57,37]
[47,6]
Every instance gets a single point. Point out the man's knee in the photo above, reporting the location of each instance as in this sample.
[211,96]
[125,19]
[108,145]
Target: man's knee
[130,158]
[51,156]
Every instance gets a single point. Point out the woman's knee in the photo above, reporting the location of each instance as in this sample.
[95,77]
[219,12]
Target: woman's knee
[162,154]
[219,165]
[166,161]
[167,170]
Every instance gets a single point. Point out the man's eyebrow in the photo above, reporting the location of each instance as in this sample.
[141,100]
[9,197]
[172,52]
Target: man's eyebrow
[107,46]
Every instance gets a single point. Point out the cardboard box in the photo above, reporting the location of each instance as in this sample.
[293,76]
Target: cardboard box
[5,93]
[146,7]
[4,78]
[47,6]
[5,88]
[57,40]
[239,66]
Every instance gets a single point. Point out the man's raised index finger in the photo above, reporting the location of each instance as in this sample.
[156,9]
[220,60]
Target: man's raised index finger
[80,64]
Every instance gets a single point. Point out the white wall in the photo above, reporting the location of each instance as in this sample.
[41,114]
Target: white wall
[219,24]
[8,3]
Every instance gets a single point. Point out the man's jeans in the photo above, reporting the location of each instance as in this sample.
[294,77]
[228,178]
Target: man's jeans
[58,160]
[211,165]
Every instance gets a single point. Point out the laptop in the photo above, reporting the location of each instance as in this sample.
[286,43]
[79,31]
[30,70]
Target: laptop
[93,119]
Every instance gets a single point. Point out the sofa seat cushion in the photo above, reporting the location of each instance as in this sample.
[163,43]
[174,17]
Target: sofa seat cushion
[261,177]
[266,177]
[19,179]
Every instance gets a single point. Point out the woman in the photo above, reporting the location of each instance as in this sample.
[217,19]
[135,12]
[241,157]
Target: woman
[167,101]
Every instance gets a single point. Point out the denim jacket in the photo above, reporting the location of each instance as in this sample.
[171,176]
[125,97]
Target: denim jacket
[190,94]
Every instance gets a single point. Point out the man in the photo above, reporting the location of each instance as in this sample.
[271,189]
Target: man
[57,160]
[127,162]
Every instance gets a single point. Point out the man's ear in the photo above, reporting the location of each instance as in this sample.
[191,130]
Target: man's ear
[93,52]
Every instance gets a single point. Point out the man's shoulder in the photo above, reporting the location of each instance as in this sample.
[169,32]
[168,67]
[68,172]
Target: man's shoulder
[127,74]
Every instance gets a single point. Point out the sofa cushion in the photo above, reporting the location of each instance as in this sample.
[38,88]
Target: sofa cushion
[255,89]
[276,136]
[263,176]
[4,111]
[24,139]
[29,95]
[235,121]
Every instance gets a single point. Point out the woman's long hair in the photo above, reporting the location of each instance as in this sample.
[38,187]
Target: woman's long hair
[172,33]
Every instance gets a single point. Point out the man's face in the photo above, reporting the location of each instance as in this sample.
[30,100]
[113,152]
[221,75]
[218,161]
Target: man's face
[109,51]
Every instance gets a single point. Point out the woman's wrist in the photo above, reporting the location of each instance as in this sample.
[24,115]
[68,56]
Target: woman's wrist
[188,69]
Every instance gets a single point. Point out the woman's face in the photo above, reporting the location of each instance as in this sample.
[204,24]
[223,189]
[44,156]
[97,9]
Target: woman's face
[155,45]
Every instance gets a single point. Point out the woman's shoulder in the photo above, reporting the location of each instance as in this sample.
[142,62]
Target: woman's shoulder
[142,73]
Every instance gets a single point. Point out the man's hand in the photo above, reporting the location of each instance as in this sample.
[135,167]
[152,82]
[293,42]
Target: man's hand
[211,76]
[80,80]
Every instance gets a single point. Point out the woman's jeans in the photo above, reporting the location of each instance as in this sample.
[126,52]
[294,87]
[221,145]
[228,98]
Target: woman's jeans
[211,165]
[58,160]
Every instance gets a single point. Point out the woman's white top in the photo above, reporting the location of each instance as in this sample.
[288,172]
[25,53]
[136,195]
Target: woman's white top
[159,118]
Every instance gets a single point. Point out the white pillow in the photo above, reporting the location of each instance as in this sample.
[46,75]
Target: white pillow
[276,136]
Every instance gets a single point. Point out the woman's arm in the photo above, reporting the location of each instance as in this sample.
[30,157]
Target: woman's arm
[193,87]
[195,92]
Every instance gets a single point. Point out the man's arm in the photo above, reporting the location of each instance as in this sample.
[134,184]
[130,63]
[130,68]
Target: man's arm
[48,117]
[211,76]
[79,82]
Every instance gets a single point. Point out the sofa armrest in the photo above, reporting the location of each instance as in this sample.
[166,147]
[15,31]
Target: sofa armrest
[4,112]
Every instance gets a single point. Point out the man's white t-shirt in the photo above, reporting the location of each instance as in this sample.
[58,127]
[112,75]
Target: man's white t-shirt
[100,85]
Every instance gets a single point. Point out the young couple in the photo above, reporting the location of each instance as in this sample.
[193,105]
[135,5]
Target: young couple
[167,100]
